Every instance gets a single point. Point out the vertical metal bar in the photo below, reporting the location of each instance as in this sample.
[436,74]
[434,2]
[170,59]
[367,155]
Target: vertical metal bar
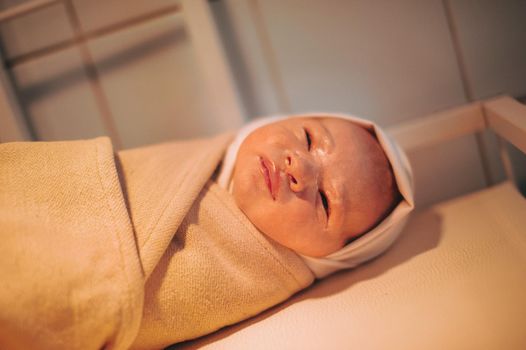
[462,67]
[212,61]
[13,126]
[270,57]
[93,75]
[467,87]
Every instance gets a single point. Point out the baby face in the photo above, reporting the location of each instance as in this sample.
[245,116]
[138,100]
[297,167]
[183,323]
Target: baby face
[312,184]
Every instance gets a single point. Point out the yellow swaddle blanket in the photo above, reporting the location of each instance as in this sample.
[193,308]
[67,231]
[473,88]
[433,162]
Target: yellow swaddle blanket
[139,250]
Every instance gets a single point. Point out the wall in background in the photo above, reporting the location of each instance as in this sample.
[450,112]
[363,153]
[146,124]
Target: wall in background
[492,37]
[391,61]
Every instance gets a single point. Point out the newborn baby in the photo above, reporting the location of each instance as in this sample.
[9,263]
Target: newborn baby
[315,184]
[166,254]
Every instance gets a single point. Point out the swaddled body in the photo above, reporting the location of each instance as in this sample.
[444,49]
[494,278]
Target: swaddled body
[141,250]
[216,268]
[146,256]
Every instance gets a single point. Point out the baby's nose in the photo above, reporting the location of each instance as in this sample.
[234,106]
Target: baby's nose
[301,170]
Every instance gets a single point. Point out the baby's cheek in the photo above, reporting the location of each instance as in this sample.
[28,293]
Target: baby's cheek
[270,217]
[299,213]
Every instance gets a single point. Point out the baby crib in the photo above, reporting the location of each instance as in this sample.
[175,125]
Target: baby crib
[456,278]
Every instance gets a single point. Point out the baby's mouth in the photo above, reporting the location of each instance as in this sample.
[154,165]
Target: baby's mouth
[270,175]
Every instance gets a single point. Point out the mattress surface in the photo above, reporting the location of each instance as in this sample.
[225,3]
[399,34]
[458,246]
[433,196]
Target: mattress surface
[456,279]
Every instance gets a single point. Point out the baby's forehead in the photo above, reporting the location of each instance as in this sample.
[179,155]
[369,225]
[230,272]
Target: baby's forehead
[329,121]
[348,134]
[342,137]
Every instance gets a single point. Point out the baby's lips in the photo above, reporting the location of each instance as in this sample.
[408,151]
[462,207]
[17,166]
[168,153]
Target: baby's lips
[271,175]
[264,168]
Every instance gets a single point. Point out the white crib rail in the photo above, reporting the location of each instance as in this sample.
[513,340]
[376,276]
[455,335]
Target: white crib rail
[507,117]
[439,127]
[503,115]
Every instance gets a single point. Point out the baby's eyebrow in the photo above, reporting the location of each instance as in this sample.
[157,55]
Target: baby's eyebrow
[329,144]
[320,123]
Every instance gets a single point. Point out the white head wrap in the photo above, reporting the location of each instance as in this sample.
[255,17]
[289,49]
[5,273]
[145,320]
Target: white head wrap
[373,242]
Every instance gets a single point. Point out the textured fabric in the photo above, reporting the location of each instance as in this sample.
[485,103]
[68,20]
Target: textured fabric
[141,250]
[373,242]
[70,273]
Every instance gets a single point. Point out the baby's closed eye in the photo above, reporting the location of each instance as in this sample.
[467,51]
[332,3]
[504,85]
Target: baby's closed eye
[325,202]
[308,138]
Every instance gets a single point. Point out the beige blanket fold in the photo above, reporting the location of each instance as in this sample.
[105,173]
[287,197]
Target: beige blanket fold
[140,250]
[69,269]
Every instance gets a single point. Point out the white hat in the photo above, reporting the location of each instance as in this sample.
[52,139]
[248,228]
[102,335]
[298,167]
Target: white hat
[373,242]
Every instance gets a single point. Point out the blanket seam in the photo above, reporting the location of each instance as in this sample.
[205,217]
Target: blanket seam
[184,179]
[115,237]
[175,193]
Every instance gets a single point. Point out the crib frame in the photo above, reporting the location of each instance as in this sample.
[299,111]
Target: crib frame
[503,115]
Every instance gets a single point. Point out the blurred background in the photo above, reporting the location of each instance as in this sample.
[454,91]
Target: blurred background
[146,71]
